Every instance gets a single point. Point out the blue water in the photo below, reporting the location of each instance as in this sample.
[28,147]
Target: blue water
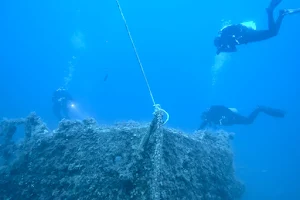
[175,43]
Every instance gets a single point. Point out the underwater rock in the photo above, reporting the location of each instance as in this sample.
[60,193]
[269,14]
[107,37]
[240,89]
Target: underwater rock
[82,160]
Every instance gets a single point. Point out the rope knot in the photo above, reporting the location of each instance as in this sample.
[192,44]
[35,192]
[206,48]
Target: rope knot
[159,112]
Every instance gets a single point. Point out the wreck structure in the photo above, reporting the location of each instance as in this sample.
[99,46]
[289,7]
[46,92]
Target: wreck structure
[83,160]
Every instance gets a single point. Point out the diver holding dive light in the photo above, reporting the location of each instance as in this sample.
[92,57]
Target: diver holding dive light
[62,102]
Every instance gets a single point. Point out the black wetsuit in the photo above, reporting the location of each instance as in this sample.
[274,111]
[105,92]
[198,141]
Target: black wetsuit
[239,34]
[61,98]
[221,115]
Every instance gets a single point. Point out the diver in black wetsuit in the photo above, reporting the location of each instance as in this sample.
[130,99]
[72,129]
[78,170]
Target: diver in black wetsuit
[238,34]
[61,100]
[221,115]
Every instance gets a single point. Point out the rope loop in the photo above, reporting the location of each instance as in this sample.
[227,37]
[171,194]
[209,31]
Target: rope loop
[159,111]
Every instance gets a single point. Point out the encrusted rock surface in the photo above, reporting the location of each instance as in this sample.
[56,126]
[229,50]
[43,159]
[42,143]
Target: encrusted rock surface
[82,160]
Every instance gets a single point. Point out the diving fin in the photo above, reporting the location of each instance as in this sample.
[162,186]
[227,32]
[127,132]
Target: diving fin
[290,11]
[272,112]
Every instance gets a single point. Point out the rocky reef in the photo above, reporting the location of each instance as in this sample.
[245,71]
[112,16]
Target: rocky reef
[82,160]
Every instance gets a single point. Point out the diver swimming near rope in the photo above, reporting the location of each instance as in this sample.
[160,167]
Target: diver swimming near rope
[223,116]
[238,34]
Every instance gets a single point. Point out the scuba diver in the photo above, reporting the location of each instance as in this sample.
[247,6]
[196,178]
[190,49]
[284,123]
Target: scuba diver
[221,115]
[61,100]
[243,33]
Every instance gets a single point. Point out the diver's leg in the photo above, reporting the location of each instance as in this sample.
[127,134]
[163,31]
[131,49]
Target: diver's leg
[279,22]
[283,13]
[290,11]
[273,4]
[270,13]
[259,35]
[239,119]
[253,115]
[272,112]
[267,110]
[248,120]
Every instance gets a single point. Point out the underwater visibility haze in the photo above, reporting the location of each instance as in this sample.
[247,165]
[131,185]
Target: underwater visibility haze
[84,47]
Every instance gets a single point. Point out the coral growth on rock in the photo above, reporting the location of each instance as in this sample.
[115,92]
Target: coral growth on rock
[82,160]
